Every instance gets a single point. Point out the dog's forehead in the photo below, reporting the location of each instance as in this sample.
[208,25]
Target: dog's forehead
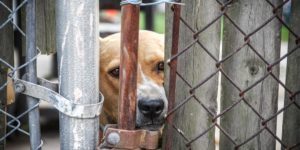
[147,39]
[151,46]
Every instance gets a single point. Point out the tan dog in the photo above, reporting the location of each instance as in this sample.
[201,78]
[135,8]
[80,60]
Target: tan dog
[151,97]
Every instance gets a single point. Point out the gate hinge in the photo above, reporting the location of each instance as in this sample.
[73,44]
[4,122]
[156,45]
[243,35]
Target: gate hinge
[130,139]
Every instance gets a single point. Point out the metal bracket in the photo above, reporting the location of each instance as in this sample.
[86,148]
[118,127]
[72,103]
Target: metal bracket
[130,139]
[62,104]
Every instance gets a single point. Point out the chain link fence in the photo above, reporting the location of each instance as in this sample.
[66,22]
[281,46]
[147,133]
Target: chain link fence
[9,72]
[226,96]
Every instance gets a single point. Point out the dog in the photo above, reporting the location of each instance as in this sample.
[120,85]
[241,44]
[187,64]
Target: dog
[151,97]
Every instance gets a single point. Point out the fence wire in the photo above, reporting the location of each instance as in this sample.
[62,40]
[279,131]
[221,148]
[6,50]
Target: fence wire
[224,6]
[14,123]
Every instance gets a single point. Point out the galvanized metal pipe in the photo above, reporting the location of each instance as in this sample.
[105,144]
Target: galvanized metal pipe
[34,116]
[77,39]
[128,66]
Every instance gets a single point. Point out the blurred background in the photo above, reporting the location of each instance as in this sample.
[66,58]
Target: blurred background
[151,17]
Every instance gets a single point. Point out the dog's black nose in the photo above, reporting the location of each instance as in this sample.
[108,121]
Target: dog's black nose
[151,108]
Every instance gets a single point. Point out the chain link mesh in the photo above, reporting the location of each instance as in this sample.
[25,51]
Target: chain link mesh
[13,123]
[269,69]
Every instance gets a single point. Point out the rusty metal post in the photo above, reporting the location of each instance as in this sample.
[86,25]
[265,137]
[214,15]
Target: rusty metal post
[172,81]
[128,66]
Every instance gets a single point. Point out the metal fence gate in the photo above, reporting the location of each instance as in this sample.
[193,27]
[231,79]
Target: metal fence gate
[231,90]
[79,101]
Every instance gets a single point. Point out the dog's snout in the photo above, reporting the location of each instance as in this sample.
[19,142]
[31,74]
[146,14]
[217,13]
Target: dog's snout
[151,108]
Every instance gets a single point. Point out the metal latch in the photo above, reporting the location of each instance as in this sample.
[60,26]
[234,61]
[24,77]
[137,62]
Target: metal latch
[62,104]
[130,139]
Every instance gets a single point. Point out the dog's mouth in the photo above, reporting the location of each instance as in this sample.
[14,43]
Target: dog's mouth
[151,107]
[152,125]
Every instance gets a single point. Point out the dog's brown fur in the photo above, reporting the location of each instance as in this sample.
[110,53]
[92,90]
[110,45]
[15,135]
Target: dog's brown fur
[150,53]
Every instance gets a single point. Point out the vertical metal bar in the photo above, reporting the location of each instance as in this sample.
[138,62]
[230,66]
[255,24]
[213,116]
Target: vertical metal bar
[128,66]
[77,24]
[172,80]
[34,116]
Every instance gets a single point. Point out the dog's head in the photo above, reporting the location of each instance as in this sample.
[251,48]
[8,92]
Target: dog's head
[151,97]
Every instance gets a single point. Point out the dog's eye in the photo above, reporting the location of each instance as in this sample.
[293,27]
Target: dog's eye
[160,66]
[115,72]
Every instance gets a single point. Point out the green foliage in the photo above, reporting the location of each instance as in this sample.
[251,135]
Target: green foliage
[159,22]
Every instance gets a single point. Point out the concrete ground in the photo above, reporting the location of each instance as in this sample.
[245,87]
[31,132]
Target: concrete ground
[49,129]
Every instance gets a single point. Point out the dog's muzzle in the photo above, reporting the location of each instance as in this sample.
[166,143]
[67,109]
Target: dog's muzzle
[150,113]
[151,105]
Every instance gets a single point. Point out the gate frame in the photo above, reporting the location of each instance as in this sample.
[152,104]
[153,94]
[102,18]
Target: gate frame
[78,59]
